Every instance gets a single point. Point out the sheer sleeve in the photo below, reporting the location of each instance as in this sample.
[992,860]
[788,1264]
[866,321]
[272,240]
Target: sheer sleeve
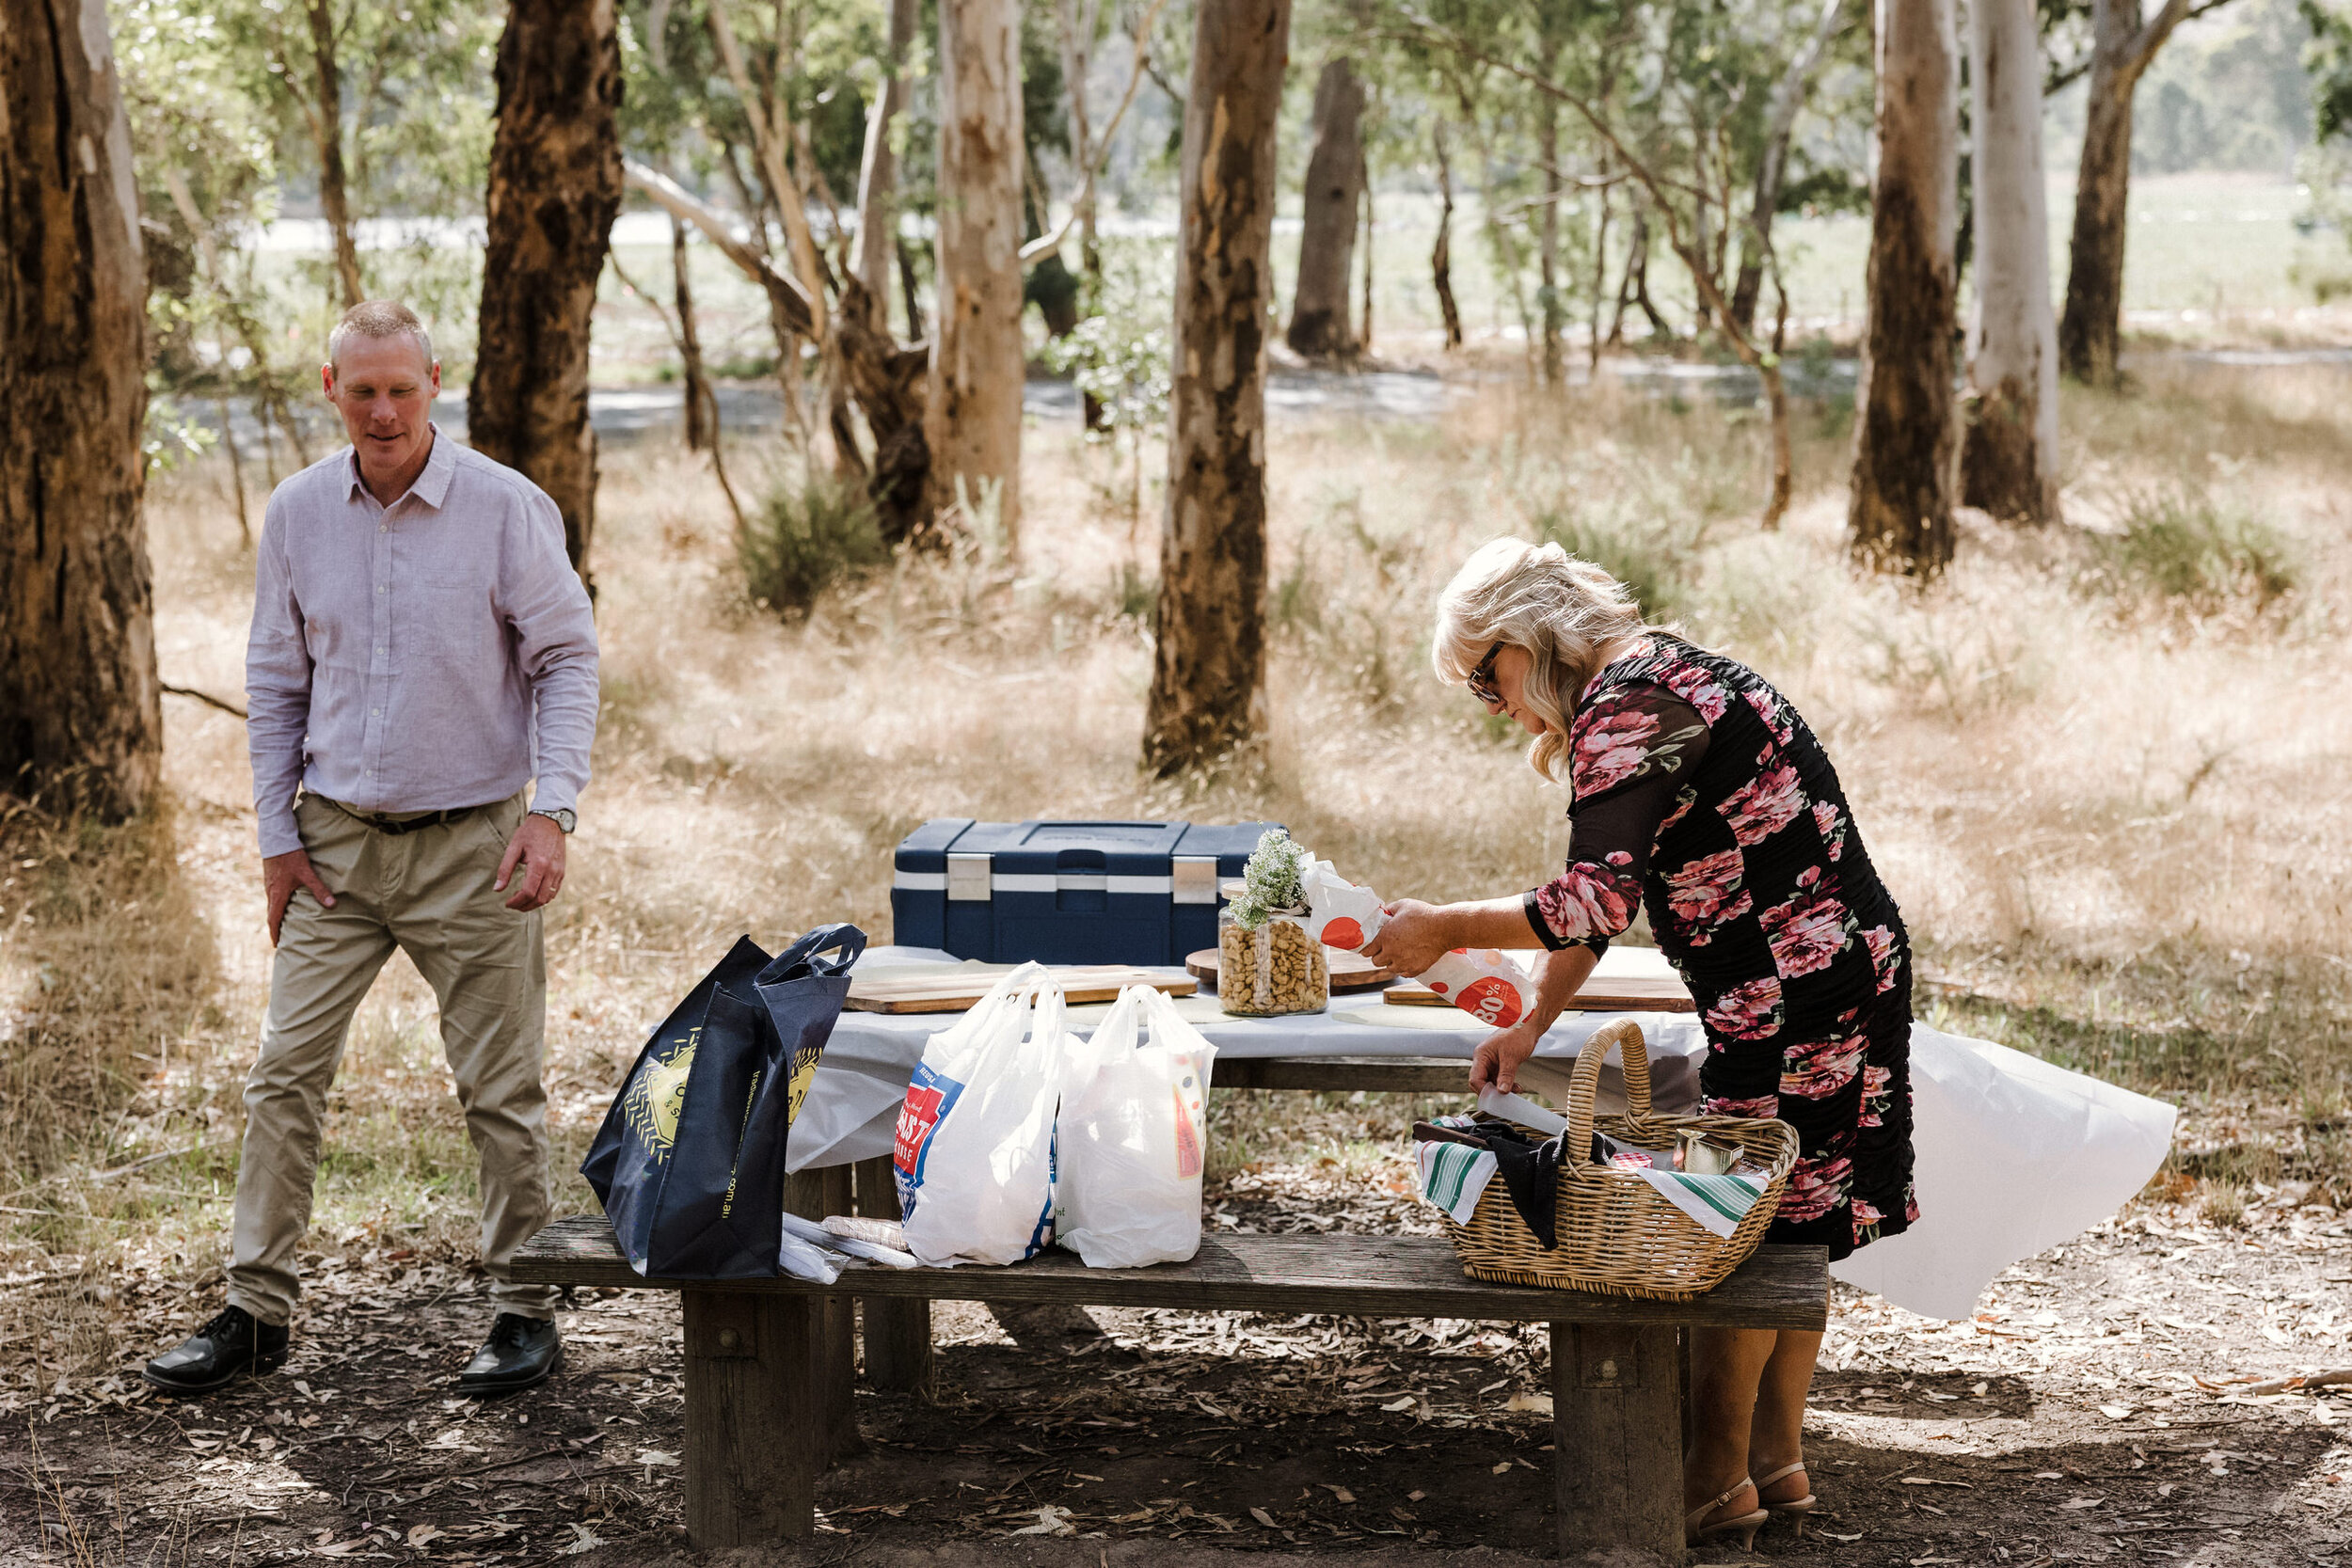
[1631,750]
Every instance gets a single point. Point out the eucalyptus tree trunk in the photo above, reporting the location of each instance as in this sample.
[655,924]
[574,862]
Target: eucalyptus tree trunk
[80,711]
[1548,251]
[877,175]
[701,404]
[326,132]
[2009,457]
[1209,654]
[1327,240]
[2121,51]
[1905,434]
[1441,253]
[973,420]
[555,187]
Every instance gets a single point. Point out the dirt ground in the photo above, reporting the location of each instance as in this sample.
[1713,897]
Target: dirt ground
[2063,1424]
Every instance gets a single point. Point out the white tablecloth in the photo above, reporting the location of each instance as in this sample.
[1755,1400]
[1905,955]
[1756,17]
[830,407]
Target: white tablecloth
[2014,1156]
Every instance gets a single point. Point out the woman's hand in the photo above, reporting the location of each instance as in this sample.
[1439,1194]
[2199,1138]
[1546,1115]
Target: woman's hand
[1413,936]
[1501,1054]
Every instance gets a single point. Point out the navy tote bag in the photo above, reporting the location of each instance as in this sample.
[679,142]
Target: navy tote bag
[688,1164]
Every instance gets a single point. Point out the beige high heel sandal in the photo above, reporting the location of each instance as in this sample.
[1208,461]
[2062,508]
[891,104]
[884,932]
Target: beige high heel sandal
[1795,1509]
[1741,1525]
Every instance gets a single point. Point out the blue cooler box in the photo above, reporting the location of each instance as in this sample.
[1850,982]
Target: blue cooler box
[1066,892]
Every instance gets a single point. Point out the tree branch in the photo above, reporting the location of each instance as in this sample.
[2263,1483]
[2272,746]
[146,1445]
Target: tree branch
[792,301]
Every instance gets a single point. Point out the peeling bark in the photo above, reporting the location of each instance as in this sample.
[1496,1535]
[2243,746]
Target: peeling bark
[977,360]
[2009,456]
[1334,193]
[1209,654]
[1906,437]
[81,714]
[555,187]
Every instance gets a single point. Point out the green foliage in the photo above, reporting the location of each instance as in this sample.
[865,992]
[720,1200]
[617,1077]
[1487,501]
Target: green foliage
[1118,353]
[2180,548]
[1652,553]
[802,538]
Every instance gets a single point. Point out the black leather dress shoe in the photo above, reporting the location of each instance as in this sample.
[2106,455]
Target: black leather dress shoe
[215,1355]
[522,1353]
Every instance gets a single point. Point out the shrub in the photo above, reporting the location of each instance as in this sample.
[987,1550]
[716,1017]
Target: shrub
[2180,547]
[800,539]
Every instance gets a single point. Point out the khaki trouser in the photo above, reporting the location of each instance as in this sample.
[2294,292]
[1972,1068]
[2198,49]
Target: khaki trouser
[428,894]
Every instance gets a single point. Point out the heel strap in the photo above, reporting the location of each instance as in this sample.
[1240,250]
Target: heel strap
[1785,1471]
[1691,1520]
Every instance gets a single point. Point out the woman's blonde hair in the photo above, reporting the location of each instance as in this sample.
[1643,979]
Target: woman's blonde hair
[1562,611]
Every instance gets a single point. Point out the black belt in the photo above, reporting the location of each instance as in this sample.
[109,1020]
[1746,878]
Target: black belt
[408,825]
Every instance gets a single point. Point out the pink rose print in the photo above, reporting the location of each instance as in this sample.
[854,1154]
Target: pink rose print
[1707,892]
[1765,804]
[1816,1187]
[1774,713]
[1684,800]
[1878,1092]
[1700,690]
[1866,1221]
[1588,900]
[1831,823]
[1807,931]
[1881,944]
[1610,750]
[1910,1204]
[1763,1107]
[1820,1068]
[1747,1012]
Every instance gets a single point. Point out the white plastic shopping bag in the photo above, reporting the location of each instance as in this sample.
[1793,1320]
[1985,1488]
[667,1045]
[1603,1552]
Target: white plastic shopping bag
[1132,1136]
[975,1147]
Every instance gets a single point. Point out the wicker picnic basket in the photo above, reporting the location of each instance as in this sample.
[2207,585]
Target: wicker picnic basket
[1618,1234]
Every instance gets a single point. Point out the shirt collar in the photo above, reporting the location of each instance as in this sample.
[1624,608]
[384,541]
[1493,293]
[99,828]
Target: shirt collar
[432,486]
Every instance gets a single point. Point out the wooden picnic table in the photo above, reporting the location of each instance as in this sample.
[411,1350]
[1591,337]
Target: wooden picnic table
[768,1387]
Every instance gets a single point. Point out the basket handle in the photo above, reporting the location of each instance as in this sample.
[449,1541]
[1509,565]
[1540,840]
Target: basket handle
[1584,1081]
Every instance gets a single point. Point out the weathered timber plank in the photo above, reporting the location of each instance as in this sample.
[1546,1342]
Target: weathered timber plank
[1377,1074]
[749,1456]
[897,1329]
[1405,1276]
[1616,1438]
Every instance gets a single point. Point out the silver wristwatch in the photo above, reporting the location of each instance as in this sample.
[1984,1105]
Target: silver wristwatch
[562,816]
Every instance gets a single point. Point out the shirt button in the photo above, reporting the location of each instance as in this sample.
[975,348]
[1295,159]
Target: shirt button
[379,588]
[383,527]
[375,712]
[382,649]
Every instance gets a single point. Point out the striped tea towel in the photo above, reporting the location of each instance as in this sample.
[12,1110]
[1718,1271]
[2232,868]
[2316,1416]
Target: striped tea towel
[1716,1203]
[1452,1176]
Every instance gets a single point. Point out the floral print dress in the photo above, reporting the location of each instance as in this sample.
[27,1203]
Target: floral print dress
[1701,795]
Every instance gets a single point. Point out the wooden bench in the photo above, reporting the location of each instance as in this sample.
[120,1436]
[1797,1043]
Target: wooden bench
[768,1380]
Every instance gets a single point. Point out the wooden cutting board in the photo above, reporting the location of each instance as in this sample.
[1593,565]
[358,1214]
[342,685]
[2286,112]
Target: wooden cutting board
[1349,971]
[958,990]
[1627,994]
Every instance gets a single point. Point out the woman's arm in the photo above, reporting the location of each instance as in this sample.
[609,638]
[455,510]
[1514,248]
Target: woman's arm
[1500,1054]
[1413,936]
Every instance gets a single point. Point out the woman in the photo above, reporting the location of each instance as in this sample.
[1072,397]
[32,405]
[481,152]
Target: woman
[1700,794]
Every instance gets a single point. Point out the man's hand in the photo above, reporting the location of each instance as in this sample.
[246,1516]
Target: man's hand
[1501,1055]
[1412,936]
[538,848]
[280,876]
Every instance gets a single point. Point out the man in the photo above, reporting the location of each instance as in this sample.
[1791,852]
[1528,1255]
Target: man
[420,641]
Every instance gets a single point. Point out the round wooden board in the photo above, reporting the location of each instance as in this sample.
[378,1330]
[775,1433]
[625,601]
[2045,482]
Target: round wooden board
[1349,971]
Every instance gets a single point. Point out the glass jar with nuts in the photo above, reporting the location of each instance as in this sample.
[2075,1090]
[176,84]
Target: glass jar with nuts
[1270,969]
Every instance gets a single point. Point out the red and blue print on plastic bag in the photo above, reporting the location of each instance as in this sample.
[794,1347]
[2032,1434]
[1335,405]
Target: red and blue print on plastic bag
[929,1098]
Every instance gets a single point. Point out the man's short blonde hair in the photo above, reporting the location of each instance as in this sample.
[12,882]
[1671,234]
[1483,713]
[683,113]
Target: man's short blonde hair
[377,318]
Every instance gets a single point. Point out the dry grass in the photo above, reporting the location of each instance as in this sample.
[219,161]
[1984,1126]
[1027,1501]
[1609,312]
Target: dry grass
[2117,827]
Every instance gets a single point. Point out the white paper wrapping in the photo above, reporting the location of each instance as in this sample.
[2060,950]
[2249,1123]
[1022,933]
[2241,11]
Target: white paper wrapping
[2013,1156]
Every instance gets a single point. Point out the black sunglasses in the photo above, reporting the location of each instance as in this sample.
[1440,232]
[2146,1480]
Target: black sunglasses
[1482,679]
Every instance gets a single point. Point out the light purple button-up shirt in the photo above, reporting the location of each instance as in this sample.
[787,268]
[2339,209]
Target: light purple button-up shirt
[399,653]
